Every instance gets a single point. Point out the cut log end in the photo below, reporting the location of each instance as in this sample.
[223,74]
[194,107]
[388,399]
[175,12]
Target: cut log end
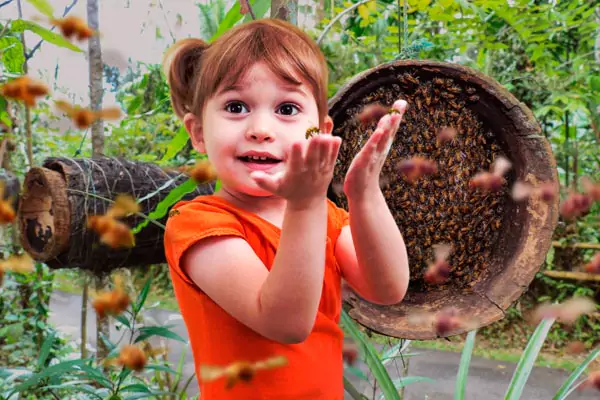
[44,215]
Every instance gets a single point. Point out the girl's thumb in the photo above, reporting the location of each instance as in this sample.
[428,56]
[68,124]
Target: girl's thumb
[265,181]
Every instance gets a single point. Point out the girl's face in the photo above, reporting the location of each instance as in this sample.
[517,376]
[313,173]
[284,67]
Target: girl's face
[258,117]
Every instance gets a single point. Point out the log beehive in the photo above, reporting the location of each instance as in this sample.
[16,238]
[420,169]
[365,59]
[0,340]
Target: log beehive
[498,244]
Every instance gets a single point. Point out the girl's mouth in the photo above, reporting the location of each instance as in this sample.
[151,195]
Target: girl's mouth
[259,163]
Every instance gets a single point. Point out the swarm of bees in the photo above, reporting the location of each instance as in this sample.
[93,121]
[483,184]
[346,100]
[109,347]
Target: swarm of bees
[85,117]
[19,263]
[243,371]
[24,89]
[7,213]
[113,302]
[203,171]
[439,149]
[113,232]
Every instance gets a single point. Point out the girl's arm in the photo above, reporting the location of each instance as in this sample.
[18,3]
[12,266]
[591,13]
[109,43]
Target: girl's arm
[372,253]
[281,305]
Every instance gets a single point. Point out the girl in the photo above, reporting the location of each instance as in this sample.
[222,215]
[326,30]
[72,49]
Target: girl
[257,267]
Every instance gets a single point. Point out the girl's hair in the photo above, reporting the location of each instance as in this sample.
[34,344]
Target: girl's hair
[196,70]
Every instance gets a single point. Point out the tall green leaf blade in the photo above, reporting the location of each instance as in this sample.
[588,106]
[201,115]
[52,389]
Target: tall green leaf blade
[143,295]
[463,367]
[163,207]
[352,391]
[43,6]
[372,359]
[21,25]
[176,144]
[525,365]
[407,380]
[45,350]
[564,389]
[260,7]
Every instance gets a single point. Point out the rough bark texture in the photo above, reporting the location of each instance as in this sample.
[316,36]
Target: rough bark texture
[286,10]
[95,68]
[58,197]
[527,228]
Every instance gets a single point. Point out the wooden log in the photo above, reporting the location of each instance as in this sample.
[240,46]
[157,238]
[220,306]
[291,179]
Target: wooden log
[448,94]
[60,195]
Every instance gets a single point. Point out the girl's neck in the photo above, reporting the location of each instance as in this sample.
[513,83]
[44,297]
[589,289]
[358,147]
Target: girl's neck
[271,208]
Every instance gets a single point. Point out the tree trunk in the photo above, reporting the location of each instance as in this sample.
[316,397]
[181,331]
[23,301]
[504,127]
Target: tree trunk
[286,10]
[95,68]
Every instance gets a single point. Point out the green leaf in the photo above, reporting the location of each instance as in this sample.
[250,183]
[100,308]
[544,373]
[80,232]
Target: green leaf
[231,18]
[122,319]
[357,372]
[163,207]
[142,296]
[176,144]
[12,54]
[136,387]
[45,350]
[78,385]
[527,360]
[563,391]
[161,368]
[43,6]
[163,331]
[260,7]
[20,25]
[372,358]
[56,369]
[463,367]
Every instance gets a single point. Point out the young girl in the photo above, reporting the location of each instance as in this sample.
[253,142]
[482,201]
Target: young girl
[257,266]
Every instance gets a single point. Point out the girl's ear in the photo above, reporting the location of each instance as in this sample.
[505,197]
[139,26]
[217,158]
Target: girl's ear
[193,125]
[327,125]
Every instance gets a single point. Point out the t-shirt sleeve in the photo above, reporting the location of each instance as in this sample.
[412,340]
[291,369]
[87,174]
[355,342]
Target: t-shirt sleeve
[192,222]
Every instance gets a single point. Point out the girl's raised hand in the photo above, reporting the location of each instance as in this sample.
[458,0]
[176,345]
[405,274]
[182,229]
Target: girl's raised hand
[362,177]
[308,174]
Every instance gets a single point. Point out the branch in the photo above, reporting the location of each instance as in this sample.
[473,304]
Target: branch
[338,17]
[575,276]
[37,46]
[7,2]
[577,245]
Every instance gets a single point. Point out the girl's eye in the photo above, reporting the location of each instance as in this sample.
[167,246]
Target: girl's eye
[235,107]
[288,109]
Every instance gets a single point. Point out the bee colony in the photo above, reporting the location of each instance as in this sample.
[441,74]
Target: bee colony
[439,207]
[458,124]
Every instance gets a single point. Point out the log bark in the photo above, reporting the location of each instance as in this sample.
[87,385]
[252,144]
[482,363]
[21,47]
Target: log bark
[60,195]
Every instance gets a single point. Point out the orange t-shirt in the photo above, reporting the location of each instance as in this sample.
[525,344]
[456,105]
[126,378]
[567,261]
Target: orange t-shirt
[314,369]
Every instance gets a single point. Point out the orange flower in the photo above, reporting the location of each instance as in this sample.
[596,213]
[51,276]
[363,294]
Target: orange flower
[7,213]
[202,172]
[24,89]
[132,357]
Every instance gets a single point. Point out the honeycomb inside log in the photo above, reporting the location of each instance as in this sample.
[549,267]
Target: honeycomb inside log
[439,208]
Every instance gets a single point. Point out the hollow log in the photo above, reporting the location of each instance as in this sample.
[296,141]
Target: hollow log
[520,234]
[59,196]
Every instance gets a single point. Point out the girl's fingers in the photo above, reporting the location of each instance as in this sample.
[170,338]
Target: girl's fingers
[313,153]
[265,181]
[296,156]
[335,148]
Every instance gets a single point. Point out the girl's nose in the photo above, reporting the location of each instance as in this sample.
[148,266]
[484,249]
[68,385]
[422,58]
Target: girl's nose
[260,131]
